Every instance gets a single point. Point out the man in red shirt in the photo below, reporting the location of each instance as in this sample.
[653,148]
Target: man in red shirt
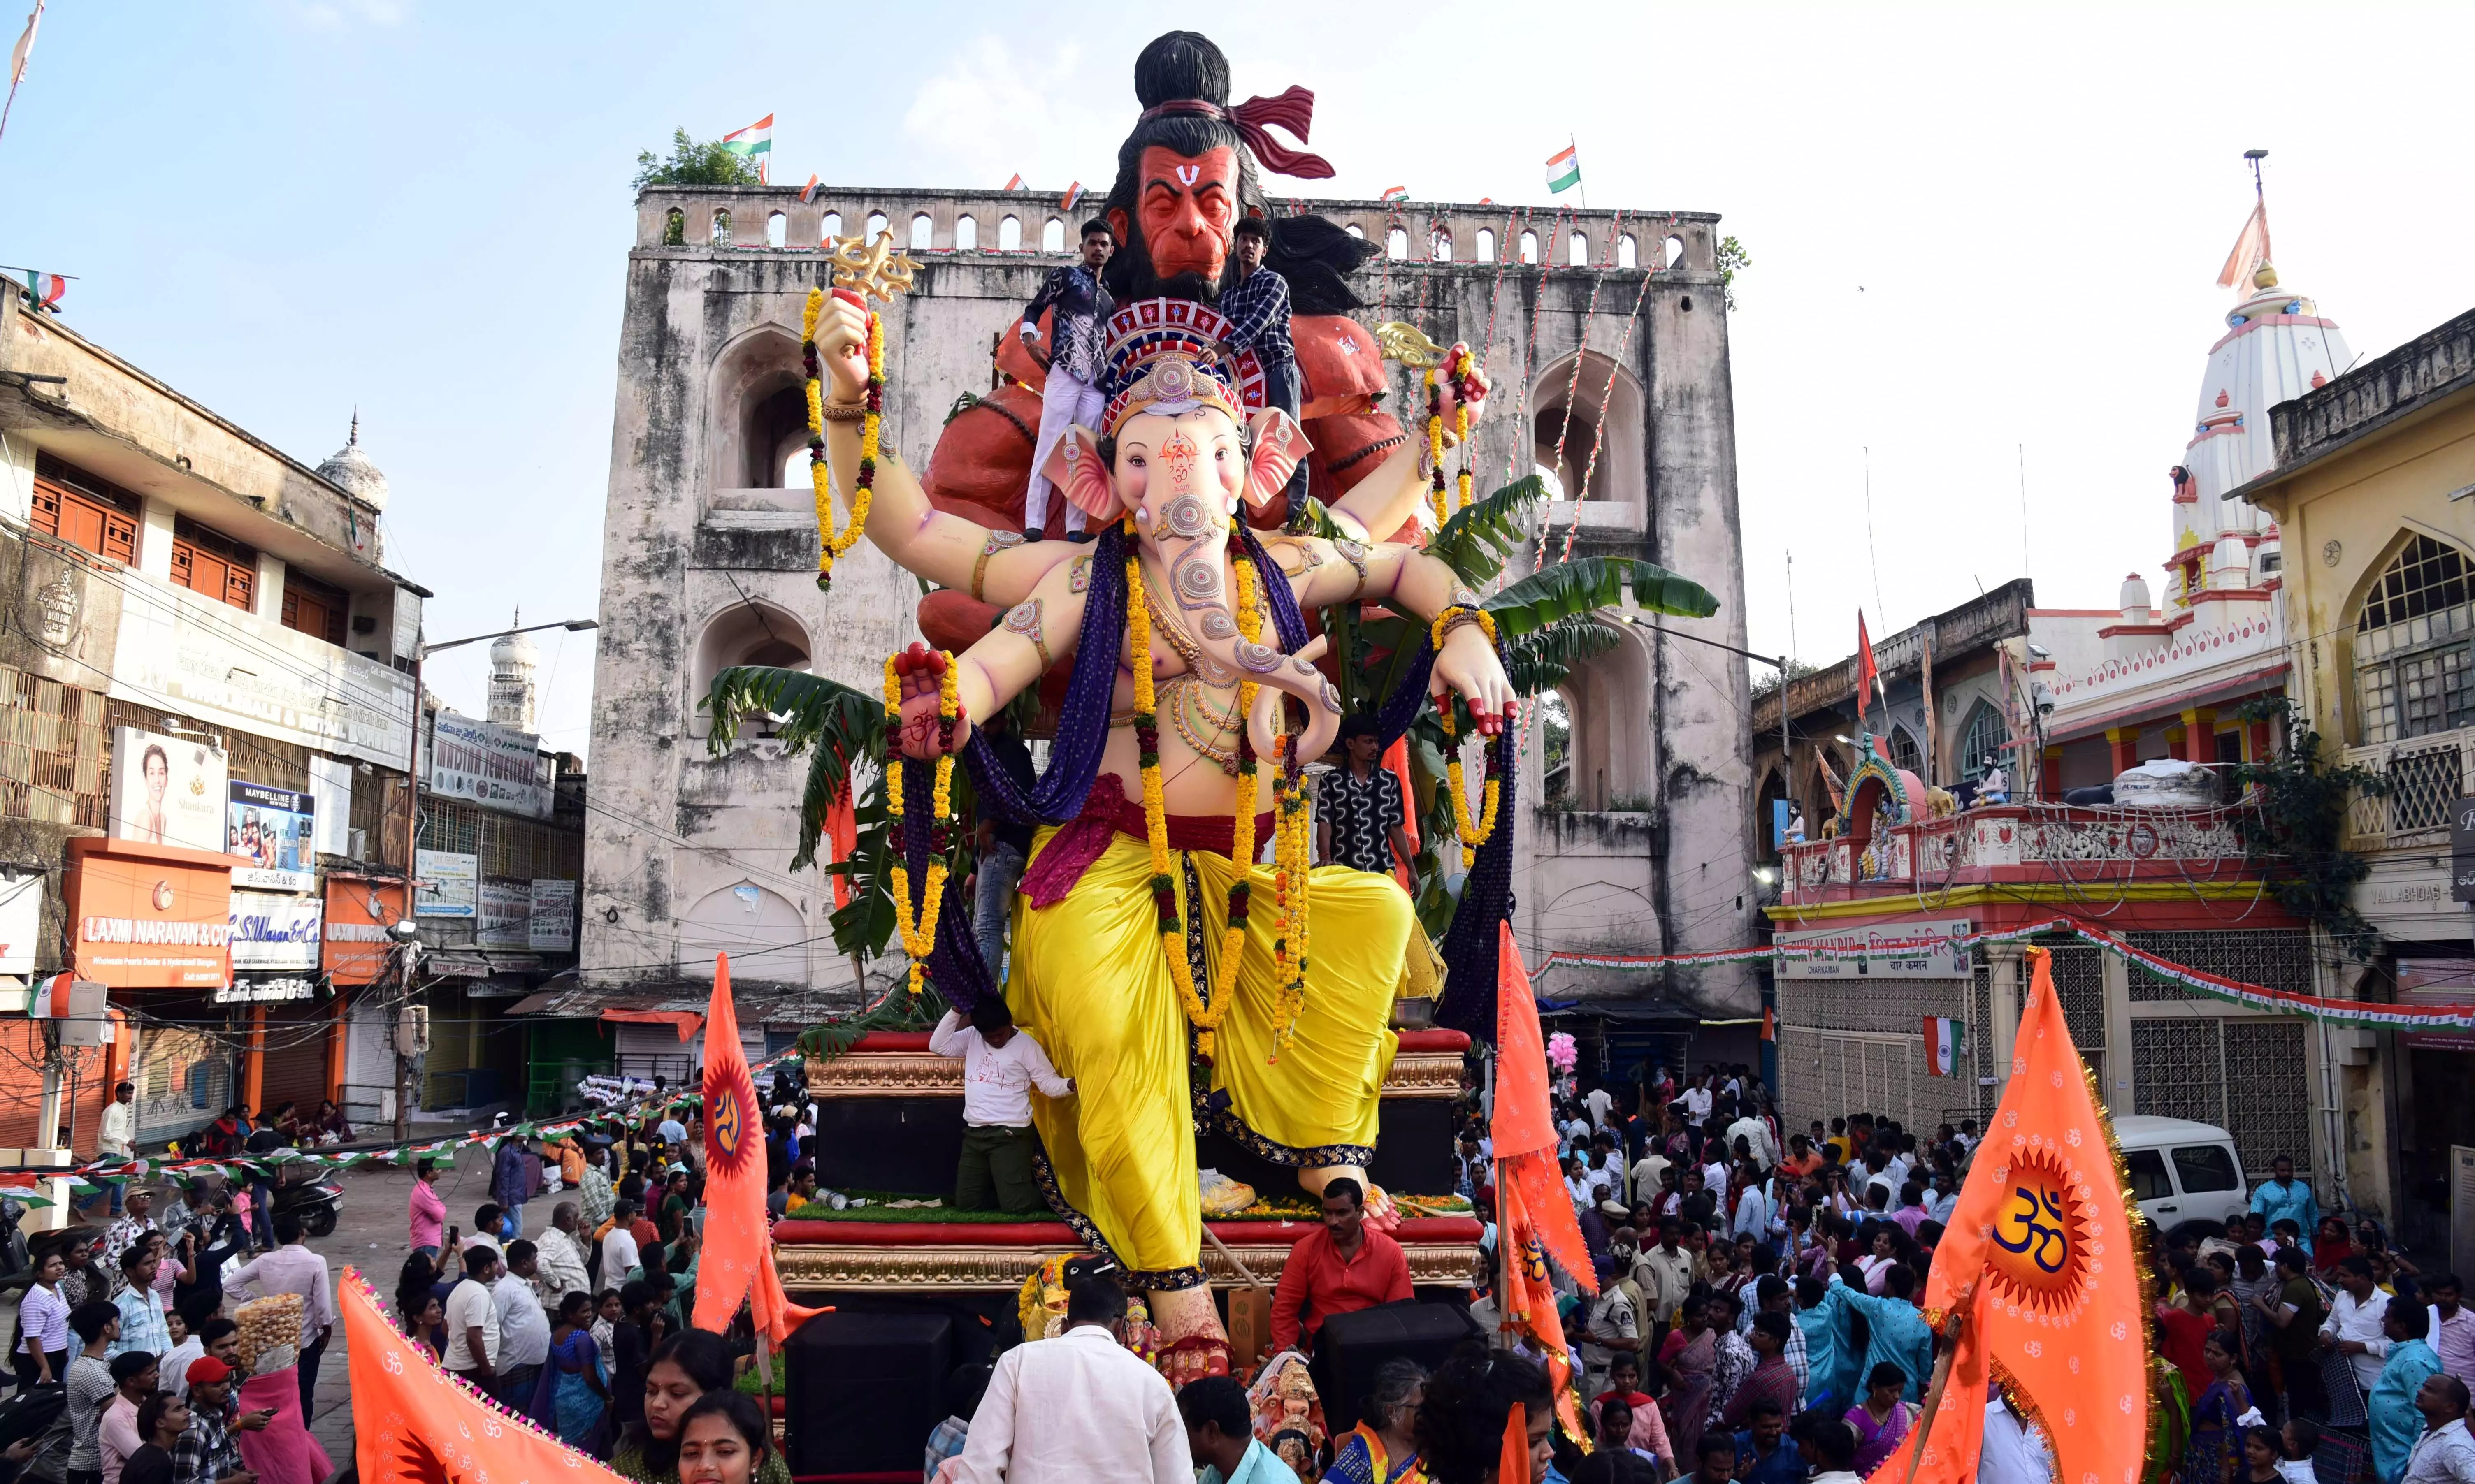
[1344,1267]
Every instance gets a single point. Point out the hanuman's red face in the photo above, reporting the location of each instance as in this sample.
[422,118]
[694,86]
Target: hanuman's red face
[1185,208]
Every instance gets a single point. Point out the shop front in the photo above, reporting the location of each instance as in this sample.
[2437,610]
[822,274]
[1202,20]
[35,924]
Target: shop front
[154,924]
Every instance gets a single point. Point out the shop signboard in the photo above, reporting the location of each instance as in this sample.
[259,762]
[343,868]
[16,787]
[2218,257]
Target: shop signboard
[1907,950]
[145,916]
[506,922]
[493,766]
[21,919]
[168,791]
[449,883]
[2461,850]
[359,915]
[274,931]
[2436,984]
[266,990]
[276,830]
[554,917]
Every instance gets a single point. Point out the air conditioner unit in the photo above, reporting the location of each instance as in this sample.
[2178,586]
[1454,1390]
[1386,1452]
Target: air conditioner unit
[412,1030]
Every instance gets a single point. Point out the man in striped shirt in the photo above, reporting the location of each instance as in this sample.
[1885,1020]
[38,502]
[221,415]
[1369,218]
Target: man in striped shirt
[1258,308]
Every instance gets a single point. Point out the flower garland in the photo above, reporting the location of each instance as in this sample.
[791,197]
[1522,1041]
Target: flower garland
[918,930]
[1454,369]
[831,543]
[1473,834]
[1205,1018]
[1291,861]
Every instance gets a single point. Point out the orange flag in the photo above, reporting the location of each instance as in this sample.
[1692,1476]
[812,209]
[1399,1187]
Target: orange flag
[413,1424]
[738,1258]
[1533,1215]
[2045,1252]
[1396,762]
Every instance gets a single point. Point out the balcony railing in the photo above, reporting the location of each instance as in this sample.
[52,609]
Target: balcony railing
[2032,841]
[2426,775]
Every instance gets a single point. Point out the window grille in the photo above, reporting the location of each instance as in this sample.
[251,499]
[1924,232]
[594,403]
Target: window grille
[2412,646]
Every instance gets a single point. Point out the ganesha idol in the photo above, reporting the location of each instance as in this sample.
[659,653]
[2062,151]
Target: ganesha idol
[1160,966]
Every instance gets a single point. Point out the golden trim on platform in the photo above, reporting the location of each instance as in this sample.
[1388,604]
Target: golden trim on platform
[907,1074]
[924,1268]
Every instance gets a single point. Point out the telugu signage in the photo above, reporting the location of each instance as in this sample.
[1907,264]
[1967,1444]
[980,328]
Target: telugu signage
[554,917]
[166,790]
[265,989]
[145,916]
[1896,950]
[451,884]
[359,914]
[488,764]
[180,651]
[275,829]
[275,932]
[506,915]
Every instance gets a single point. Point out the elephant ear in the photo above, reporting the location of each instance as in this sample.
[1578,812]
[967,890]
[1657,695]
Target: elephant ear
[1075,466]
[1279,445]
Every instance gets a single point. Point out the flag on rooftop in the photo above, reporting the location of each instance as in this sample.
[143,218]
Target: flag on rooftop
[808,192]
[25,47]
[755,141]
[1014,181]
[1394,195]
[2251,250]
[1868,672]
[1074,194]
[1564,169]
[45,290]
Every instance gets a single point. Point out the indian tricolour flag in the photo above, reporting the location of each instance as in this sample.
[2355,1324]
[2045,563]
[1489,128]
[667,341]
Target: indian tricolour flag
[1945,1042]
[755,141]
[1394,195]
[1564,169]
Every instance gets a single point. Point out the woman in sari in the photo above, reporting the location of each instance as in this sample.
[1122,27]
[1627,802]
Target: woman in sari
[1382,1448]
[2217,1430]
[1882,1418]
[1690,1357]
[573,1394]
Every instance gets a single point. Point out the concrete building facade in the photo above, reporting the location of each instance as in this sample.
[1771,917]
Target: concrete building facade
[1605,334]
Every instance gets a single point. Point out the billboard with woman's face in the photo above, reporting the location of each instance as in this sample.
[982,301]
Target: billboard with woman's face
[168,791]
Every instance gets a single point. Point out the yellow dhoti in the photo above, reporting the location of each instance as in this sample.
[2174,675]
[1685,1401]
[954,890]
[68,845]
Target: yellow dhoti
[1092,985]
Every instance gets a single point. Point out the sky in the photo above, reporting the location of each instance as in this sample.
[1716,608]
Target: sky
[1984,239]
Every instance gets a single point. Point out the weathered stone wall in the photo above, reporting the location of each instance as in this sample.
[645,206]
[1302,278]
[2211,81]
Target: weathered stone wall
[710,326]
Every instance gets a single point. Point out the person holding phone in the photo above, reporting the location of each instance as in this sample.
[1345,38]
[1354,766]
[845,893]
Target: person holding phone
[206,1448]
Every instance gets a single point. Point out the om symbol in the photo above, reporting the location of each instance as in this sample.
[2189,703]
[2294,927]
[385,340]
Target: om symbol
[1534,1262]
[726,1121]
[2048,1246]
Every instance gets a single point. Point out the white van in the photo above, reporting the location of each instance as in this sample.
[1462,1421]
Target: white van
[2185,1175]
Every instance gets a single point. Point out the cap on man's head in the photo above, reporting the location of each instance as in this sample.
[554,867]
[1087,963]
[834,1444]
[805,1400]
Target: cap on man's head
[206,1371]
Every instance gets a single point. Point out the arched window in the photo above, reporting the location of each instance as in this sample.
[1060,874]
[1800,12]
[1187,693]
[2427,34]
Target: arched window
[1904,751]
[923,233]
[674,228]
[1675,251]
[2414,671]
[875,225]
[1578,250]
[1628,252]
[1983,743]
[1009,236]
[761,930]
[777,231]
[1590,424]
[1356,231]
[721,226]
[1487,244]
[1396,244]
[747,633]
[831,225]
[1052,237]
[1529,247]
[1439,245]
[967,234]
[760,413]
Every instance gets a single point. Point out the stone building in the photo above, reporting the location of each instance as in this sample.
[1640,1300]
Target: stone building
[1604,333]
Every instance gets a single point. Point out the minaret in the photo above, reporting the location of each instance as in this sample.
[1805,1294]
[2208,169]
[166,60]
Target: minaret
[513,659]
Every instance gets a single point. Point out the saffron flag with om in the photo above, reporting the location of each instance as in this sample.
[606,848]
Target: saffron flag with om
[738,1259]
[413,1424]
[1532,1212]
[2042,1256]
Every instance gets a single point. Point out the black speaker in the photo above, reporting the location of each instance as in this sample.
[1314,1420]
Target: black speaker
[866,1390]
[1351,1346]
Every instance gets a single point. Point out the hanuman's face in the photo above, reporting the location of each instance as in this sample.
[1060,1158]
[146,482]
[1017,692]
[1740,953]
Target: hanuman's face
[1183,208]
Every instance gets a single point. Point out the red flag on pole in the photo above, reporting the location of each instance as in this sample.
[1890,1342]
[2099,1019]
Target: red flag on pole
[738,1261]
[1869,675]
[2250,249]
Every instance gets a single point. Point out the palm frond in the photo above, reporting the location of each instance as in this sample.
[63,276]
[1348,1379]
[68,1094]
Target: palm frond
[1588,583]
[1476,543]
[1540,661]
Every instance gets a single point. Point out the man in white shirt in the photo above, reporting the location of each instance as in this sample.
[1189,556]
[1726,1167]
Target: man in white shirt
[1829,1450]
[2445,1454]
[1646,1171]
[561,1269]
[2354,1323]
[116,1138]
[472,1322]
[621,1257]
[1600,1102]
[292,1268]
[1756,1135]
[523,1328]
[1000,1066]
[1696,1098]
[2452,1326]
[1077,1408]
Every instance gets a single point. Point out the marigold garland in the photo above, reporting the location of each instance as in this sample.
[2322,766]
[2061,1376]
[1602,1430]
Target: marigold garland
[831,543]
[1454,368]
[919,931]
[1473,834]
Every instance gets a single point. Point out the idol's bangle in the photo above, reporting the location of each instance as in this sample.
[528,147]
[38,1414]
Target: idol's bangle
[844,411]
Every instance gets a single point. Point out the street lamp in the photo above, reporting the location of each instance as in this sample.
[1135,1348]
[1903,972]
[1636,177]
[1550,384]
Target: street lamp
[572,626]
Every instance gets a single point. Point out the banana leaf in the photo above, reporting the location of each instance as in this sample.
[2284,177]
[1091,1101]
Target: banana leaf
[1476,543]
[1588,583]
[1540,662]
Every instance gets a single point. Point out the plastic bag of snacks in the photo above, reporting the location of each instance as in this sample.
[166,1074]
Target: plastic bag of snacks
[269,1324]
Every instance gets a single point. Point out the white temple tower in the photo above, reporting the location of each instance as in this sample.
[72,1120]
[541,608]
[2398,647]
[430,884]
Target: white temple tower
[514,661]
